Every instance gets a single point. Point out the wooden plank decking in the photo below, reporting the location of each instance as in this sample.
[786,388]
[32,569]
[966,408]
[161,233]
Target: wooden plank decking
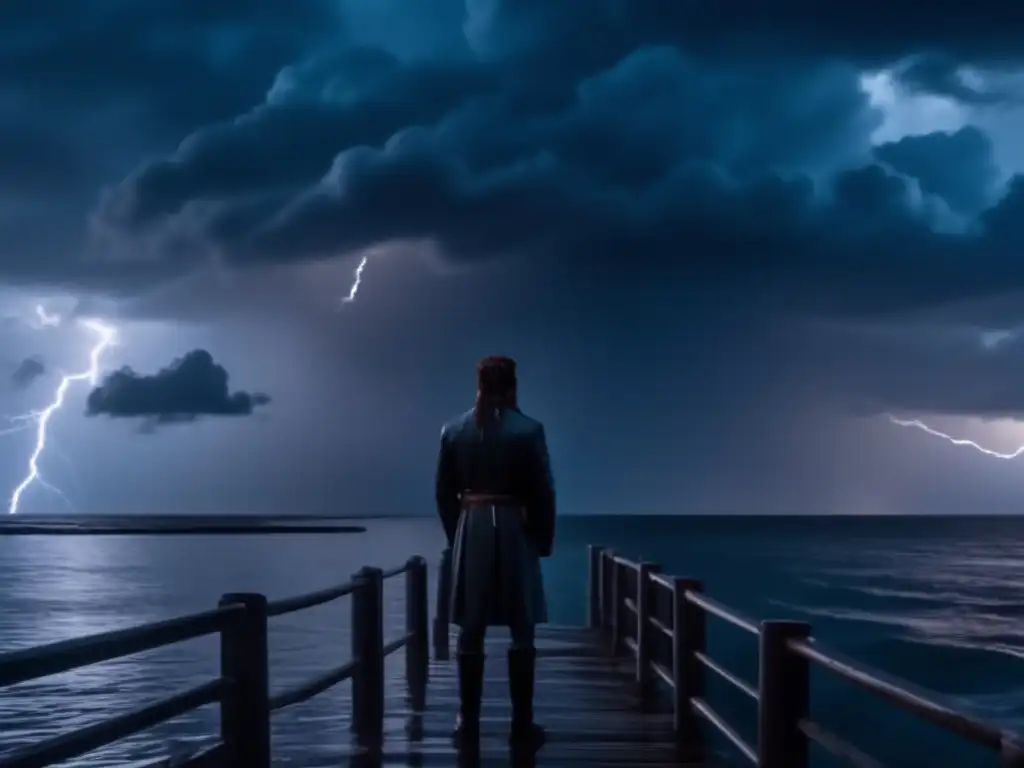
[586,699]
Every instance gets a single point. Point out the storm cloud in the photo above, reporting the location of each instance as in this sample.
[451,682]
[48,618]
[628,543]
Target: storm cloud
[716,206]
[640,142]
[958,168]
[85,91]
[28,370]
[192,386]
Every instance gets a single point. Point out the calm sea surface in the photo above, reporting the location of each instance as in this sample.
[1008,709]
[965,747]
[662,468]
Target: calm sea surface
[937,601]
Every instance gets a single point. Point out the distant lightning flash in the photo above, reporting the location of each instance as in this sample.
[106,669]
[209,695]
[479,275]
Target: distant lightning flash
[917,424]
[107,338]
[46,320]
[357,281]
[14,425]
[17,423]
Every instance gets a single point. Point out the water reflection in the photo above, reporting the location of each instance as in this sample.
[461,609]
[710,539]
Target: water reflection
[57,588]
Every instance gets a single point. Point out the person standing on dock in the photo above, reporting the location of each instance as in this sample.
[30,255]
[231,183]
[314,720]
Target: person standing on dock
[496,499]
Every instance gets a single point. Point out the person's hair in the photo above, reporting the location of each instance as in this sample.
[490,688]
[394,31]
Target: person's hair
[495,387]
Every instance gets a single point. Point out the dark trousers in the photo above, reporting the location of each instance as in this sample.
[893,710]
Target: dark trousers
[472,640]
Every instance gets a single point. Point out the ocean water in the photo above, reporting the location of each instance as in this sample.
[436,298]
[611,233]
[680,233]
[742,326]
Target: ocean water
[937,601]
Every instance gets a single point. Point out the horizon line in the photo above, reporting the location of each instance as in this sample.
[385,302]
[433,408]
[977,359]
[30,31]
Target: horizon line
[25,516]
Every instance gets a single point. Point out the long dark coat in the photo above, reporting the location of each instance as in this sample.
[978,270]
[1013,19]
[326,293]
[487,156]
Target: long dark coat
[496,575]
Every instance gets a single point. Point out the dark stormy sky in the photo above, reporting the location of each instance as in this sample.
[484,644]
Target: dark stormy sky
[723,241]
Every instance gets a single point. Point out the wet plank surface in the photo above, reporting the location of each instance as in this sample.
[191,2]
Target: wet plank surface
[587,701]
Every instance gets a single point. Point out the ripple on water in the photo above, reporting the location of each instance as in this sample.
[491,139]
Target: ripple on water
[57,588]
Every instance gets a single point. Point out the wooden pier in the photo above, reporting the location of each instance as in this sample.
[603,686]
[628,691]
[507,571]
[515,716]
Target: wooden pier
[587,700]
[626,690]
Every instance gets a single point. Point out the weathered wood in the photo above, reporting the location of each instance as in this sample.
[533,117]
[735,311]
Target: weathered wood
[594,579]
[643,623]
[244,663]
[310,600]
[586,700]
[417,621]
[607,558]
[689,637]
[442,617]
[53,658]
[618,606]
[416,607]
[367,652]
[785,692]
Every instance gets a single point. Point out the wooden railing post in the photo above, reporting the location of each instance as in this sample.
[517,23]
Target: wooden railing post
[644,590]
[417,651]
[245,709]
[784,686]
[367,651]
[618,596]
[443,606]
[607,598]
[689,637]
[594,608]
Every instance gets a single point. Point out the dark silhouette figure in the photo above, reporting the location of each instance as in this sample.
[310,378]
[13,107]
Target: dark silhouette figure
[496,499]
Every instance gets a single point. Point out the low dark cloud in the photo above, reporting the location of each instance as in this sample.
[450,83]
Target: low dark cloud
[86,91]
[28,370]
[957,167]
[190,387]
[875,32]
[489,115]
[947,77]
[867,370]
[274,92]
[183,63]
[585,137]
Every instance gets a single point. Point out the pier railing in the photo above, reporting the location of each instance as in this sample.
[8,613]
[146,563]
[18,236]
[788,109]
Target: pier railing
[661,621]
[243,688]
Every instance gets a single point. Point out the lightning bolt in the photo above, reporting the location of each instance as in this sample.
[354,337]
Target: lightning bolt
[16,424]
[46,320]
[107,337]
[918,424]
[353,291]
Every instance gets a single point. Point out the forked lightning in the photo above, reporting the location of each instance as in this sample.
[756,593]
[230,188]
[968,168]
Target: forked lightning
[918,424]
[107,337]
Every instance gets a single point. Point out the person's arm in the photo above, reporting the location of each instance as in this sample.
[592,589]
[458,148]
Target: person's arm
[446,490]
[542,493]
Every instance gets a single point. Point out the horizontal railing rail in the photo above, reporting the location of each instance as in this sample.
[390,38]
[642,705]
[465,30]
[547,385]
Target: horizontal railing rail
[242,688]
[65,655]
[310,600]
[640,608]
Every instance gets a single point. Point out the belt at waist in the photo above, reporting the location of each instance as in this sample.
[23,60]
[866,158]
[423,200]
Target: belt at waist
[471,499]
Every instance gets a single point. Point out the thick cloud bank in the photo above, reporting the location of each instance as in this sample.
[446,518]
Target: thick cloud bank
[588,133]
[722,155]
[192,386]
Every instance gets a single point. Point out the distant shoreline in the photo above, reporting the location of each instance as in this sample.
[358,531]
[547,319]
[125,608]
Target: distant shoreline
[172,525]
[30,529]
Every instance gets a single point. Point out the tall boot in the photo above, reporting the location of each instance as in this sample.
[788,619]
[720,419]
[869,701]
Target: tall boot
[471,684]
[524,732]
